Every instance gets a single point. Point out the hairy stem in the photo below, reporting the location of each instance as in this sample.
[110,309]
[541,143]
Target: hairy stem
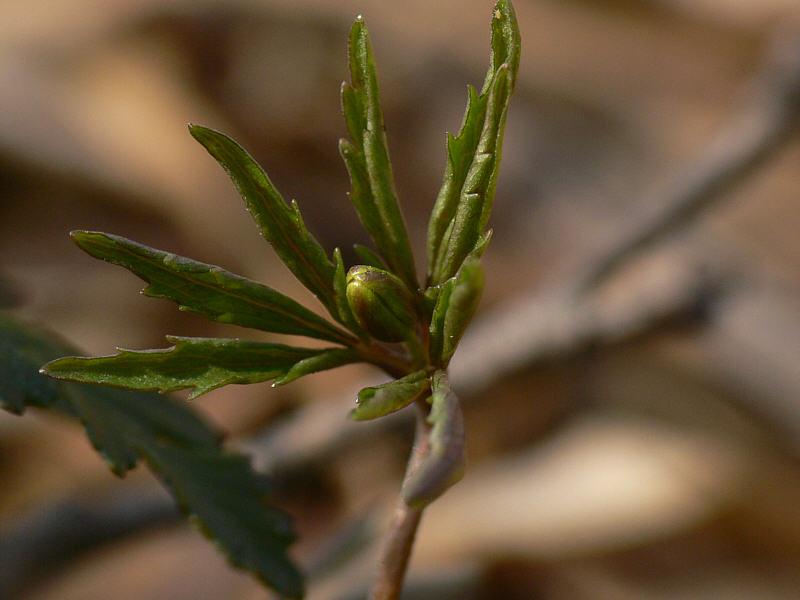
[403,529]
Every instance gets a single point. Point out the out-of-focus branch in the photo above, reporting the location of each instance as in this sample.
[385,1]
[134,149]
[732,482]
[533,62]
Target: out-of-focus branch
[769,119]
[48,537]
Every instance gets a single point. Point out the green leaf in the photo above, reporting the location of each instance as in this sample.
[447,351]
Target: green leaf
[444,464]
[218,490]
[464,203]
[381,400]
[328,359]
[366,157]
[281,224]
[455,307]
[436,329]
[118,422]
[115,419]
[203,364]
[209,290]
[223,496]
[346,315]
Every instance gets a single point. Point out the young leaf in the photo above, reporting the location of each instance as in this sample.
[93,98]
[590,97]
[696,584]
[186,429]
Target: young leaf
[381,400]
[346,316]
[281,224]
[324,361]
[203,364]
[209,290]
[470,277]
[436,329]
[444,464]
[455,308]
[217,489]
[464,202]
[366,157]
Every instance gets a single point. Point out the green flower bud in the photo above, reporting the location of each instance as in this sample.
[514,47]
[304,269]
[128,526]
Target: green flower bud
[381,303]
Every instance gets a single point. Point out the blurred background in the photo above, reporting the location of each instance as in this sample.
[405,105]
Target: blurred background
[631,384]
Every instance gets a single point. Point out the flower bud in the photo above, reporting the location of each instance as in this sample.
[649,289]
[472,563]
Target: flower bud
[381,303]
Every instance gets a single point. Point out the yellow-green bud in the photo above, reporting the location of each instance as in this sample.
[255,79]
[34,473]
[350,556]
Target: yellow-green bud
[381,303]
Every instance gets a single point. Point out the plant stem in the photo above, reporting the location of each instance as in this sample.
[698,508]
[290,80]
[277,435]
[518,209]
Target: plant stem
[403,529]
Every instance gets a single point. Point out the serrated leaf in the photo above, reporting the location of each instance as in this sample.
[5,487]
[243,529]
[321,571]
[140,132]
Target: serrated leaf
[117,422]
[381,400]
[464,203]
[217,489]
[222,496]
[280,223]
[366,157]
[114,419]
[443,466]
[209,290]
[202,364]
[23,349]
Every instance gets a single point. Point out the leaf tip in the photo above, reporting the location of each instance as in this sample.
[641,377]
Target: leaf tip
[199,132]
[51,369]
[83,236]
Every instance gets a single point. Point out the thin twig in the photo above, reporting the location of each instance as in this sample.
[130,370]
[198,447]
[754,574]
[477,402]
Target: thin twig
[403,529]
[768,120]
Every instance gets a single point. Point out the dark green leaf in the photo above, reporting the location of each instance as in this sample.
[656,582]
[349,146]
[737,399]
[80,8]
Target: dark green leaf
[381,400]
[203,364]
[367,159]
[281,224]
[465,200]
[223,496]
[23,349]
[217,489]
[118,422]
[209,290]
[444,464]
